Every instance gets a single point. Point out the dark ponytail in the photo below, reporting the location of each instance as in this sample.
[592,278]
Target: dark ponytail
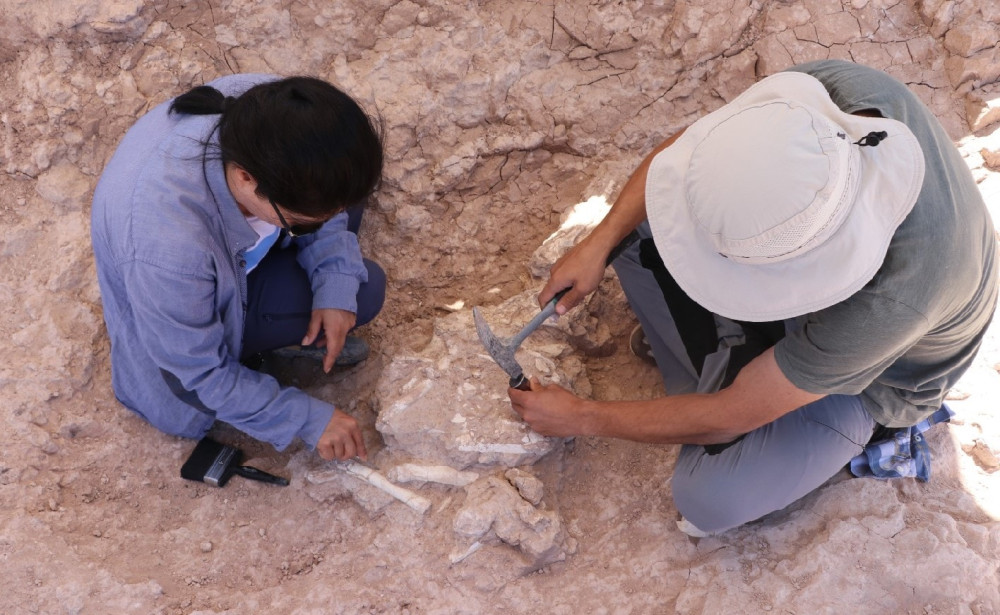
[202,100]
[310,146]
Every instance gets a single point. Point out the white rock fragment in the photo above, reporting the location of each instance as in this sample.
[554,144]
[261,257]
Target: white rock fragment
[991,158]
[445,475]
[494,510]
[983,455]
[532,437]
[530,488]
[982,106]
[577,222]
[459,556]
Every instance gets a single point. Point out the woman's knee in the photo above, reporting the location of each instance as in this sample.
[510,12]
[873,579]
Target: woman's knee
[371,294]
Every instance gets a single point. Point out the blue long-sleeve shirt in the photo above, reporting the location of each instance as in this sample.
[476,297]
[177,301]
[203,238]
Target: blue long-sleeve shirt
[169,241]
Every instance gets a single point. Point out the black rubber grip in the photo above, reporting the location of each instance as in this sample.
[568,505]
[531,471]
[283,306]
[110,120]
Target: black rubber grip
[255,474]
[520,383]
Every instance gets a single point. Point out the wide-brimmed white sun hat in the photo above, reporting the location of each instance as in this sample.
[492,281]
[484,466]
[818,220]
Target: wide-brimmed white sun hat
[779,204]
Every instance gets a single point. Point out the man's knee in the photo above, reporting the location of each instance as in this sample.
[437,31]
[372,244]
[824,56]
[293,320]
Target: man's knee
[706,505]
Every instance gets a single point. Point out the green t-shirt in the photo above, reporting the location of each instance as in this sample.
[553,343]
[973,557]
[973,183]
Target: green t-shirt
[905,338]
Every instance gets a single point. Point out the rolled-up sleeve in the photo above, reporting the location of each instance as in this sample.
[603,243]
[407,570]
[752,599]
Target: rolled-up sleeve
[182,331]
[332,259]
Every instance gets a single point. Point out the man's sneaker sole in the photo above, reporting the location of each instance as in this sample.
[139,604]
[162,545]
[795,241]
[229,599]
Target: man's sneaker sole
[355,351]
[639,345]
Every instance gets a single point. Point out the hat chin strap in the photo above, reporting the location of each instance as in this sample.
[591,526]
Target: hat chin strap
[872,139]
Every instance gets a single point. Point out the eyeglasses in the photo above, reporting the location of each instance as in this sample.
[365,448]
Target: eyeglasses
[295,230]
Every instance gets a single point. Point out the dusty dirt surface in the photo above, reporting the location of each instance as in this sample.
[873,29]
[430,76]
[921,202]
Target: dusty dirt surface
[500,116]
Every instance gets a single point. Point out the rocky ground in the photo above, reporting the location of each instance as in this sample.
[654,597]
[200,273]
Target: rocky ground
[500,118]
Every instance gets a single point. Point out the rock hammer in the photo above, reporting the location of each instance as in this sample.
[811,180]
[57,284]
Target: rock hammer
[503,350]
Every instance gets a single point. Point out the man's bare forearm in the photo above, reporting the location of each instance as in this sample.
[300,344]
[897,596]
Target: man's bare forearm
[629,209]
[682,419]
[760,394]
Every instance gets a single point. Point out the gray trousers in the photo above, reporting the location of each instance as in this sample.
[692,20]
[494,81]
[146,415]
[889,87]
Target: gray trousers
[770,467]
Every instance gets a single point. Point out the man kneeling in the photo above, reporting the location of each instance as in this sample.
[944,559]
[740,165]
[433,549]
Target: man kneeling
[817,263]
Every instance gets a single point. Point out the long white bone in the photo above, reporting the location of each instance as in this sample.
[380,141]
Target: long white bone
[373,478]
[445,475]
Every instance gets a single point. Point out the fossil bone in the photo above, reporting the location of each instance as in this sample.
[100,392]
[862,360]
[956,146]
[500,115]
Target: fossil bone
[445,475]
[373,478]
[458,557]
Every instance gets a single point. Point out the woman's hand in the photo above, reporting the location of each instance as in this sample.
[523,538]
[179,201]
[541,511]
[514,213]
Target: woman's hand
[341,440]
[335,324]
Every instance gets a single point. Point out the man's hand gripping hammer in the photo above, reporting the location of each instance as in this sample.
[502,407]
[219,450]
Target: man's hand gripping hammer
[502,350]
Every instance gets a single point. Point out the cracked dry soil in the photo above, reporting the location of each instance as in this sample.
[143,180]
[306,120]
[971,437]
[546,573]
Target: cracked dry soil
[499,117]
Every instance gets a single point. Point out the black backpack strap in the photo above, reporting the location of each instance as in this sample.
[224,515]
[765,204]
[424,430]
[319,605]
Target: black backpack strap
[695,324]
[697,329]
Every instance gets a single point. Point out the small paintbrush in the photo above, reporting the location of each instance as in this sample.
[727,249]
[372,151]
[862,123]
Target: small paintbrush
[215,463]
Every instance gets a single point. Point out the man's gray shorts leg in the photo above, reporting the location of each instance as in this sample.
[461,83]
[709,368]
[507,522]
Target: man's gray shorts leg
[647,302]
[772,466]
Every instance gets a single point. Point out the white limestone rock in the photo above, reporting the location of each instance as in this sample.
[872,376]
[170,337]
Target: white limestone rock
[576,224]
[495,511]
[982,106]
[448,404]
[530,487]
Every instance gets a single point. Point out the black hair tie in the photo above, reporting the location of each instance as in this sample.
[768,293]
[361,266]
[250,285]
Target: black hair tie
[872,139]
